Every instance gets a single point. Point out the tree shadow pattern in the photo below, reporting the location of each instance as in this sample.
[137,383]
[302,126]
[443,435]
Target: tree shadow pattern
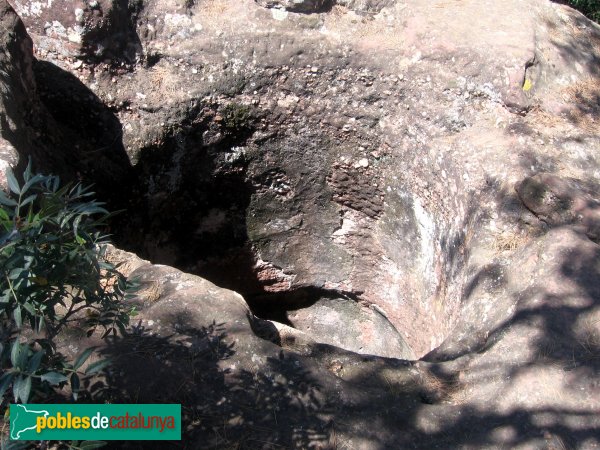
[582,46]
[280,406]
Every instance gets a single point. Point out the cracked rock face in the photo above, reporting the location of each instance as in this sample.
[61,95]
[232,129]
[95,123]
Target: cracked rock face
[395,179]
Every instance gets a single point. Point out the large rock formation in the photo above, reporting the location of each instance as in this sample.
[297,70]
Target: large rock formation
[77,140]
[419,177]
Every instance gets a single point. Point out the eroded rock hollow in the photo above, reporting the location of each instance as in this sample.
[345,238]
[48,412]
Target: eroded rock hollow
[408,180]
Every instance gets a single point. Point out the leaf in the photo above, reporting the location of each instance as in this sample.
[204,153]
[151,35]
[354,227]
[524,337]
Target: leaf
[13,184]
[17,317]
[36,179]
[15,353]
[75,383]
[94,209]
[28,200]
[83,357]
[22,388]
[34,362]
[89,445]
[23,357]
[27,173]
[5,381]
[76,227]
[4,200]
[56,182]
[12,236]
[54,378]
[97,366]
[16,273]
[5,298]
[40,324]
[29,308]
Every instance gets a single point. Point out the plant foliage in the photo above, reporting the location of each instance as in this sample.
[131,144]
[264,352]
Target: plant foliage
[54,277]
[236,117]
[591,8]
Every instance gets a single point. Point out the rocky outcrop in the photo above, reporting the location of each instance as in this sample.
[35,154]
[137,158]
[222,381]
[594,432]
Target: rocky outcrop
[522,375]
[333,147]
[367,168]
[17,88]
[562,201]
[49,116]
[92,30]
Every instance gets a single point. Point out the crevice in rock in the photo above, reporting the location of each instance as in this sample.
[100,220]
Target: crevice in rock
[276,305]
[82,137]
[325,6]
[303,6]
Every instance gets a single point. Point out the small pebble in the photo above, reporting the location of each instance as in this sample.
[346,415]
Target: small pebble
[364,162]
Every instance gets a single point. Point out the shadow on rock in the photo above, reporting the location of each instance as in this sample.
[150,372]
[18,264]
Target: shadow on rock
[584,96]
[278,406]
[91,130]
[544,357]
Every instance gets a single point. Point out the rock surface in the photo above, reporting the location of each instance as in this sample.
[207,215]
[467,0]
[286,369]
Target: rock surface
[524,376]
[374,155]
[95,30]
[16,88]
[315,150]
[561,201]
[336,321]
[48,115]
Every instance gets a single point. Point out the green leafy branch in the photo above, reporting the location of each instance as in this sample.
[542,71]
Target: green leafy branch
[54,275]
